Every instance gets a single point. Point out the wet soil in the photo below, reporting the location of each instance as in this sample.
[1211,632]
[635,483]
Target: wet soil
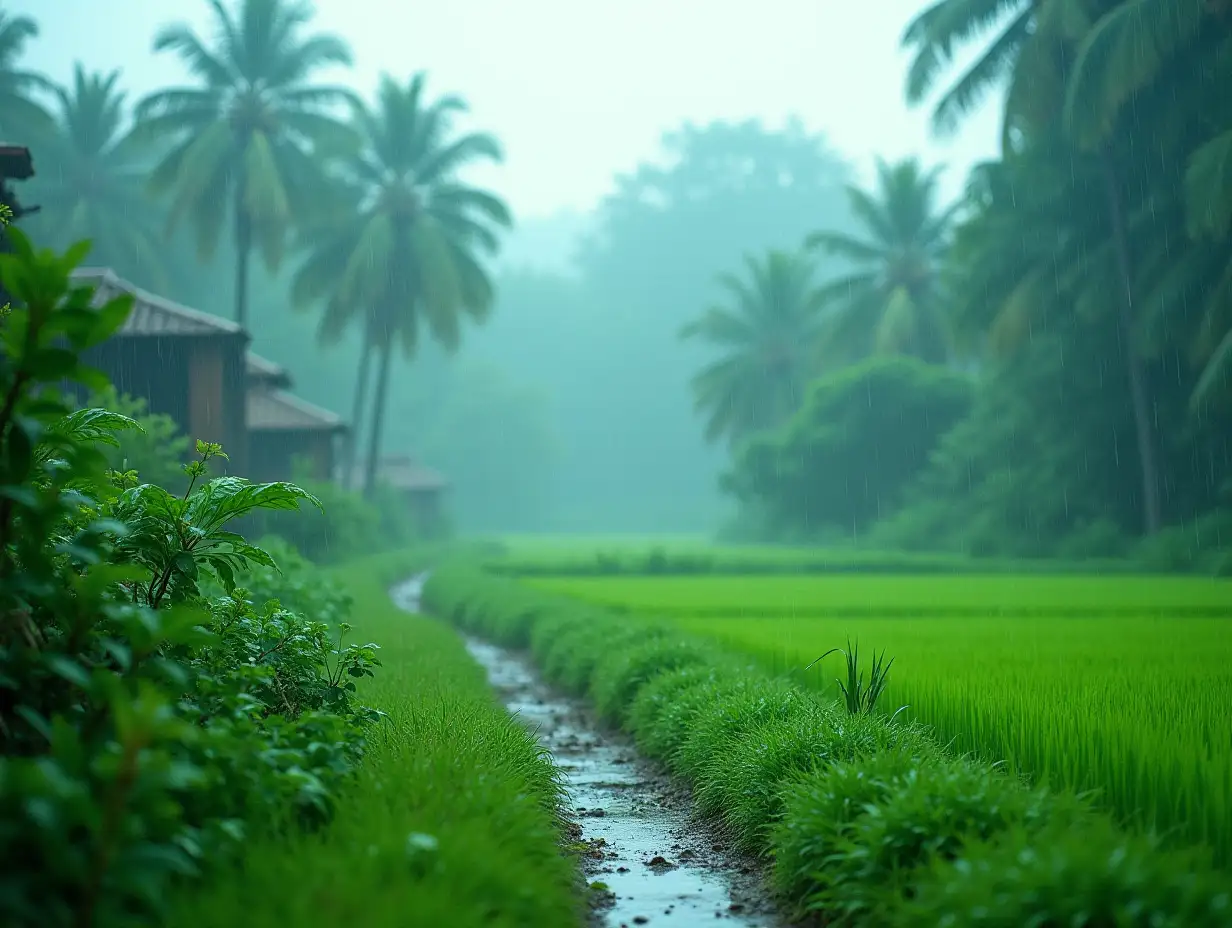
[649,860]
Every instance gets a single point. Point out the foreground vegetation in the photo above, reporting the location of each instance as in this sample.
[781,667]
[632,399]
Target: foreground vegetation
[453,816]
[1118,685]
[867,820]
[154,713]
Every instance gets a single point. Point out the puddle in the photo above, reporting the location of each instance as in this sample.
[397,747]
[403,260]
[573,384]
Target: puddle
[660,866]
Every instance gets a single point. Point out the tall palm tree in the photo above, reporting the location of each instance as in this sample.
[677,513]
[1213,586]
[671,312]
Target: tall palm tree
[405,255]
[244,141]
[1173,58]
[20,113]
[891,303]
[1023,53]
[92,184]
[768,330]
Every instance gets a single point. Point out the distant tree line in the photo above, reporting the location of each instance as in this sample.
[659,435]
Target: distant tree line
[1039,369]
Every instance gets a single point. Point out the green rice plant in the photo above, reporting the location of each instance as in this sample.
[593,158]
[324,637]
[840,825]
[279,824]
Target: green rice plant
[856,832]
[747,781]
[664,710]
[858,698]
[616,680]
[1094,875]
[721,722]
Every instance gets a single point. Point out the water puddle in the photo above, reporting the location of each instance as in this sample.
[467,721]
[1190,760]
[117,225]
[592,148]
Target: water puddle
[660,866]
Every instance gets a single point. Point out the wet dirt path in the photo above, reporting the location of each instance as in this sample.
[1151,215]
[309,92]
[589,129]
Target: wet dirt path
[660,866]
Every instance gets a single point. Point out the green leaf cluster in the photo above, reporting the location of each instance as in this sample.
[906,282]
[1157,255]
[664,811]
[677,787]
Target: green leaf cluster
[153,711]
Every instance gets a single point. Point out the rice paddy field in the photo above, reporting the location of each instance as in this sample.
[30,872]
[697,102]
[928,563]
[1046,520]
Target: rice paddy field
[1117,684]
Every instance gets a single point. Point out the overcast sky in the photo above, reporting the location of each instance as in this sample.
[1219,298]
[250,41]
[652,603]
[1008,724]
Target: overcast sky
[579,90]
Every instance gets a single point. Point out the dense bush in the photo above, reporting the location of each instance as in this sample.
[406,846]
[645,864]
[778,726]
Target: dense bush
[156,450]
[151,712]
[867,820]
[844,459]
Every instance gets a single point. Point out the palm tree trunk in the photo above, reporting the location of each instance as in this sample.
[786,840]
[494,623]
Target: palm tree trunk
[1139,402]
[378,417]
[358,404]
[243,253]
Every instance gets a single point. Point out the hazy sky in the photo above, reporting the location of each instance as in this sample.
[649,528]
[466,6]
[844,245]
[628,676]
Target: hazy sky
[579,91]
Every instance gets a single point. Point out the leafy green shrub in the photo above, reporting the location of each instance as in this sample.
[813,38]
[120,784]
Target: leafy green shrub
[145,727]
[156,450]
[855,832]
[1096,875]
[1204,545]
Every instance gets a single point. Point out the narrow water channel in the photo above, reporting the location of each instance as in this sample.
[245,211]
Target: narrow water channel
[659,866]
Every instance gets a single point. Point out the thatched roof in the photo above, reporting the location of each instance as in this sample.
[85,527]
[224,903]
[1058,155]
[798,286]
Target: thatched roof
[154,315]
[278,411]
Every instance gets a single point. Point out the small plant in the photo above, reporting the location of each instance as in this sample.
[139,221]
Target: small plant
[858,698]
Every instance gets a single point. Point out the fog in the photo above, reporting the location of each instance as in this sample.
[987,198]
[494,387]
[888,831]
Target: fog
[648,149]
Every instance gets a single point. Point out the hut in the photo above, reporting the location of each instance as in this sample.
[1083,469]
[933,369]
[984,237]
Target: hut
[420,488]
[284,429]
[185,363]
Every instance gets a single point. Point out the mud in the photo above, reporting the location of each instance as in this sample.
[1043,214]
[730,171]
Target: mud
[649,861]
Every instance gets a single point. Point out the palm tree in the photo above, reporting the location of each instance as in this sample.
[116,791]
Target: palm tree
[405,254]
[768,329]
[892,302]
[20,114]
[1159,53]
[92,185]
[1027,52]
[244,141]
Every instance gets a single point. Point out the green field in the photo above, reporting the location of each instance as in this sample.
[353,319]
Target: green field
[1116,684]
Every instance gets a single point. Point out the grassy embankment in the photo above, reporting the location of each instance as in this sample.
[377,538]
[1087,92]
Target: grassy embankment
[452,820]
[867,821]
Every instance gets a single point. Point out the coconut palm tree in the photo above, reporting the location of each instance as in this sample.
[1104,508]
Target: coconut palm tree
[1173,58]
[93,179]
[891,302]
[243,142]
[768,330]
[1026,52]
[401,252]
[20,113]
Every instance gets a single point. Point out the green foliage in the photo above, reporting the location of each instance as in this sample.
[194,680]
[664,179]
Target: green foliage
[845,458]
[855,833]
[857,812]
[857,697]
[156,450]
[146,729]
[454,816]
[1098,876]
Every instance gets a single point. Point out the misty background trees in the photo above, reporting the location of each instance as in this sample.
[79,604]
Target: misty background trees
[1080,289]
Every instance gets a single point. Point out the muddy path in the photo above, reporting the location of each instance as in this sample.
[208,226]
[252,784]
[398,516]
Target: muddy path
[659,865]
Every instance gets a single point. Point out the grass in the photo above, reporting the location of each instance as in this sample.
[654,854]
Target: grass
[600,555]
[848,595]
[453,818]
[1066,678]
[866,821]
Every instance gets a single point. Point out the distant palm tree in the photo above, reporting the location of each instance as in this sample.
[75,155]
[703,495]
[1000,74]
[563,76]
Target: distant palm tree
[401,250]
[20,115]
[892,302]
[243,144]
[93,179]
[768,330]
